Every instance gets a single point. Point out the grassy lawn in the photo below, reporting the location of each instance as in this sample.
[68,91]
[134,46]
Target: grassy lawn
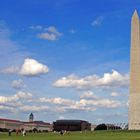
[95,135]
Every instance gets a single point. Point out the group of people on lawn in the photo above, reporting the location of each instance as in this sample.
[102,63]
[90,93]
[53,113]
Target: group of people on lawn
[23,131]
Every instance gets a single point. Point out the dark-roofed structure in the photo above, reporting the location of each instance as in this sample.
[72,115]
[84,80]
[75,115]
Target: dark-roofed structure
[71,125]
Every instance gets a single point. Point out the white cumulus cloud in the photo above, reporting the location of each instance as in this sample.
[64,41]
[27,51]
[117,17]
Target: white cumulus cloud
[53,30]
[10,70]
[16,99]
[47,36]
[105,103]
[114,79]
[32,67]
[36,27]
[33,108]
[26,102]
[89,95]
[98,21]
[18,84]
[57,100]
[114,94]
[50,33]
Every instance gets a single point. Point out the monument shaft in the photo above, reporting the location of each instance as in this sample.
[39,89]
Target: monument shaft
[134,98]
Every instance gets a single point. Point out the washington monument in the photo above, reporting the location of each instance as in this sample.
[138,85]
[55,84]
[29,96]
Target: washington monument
[134,98]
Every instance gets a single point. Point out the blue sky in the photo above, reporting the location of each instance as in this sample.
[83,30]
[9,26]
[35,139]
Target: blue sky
[65,59]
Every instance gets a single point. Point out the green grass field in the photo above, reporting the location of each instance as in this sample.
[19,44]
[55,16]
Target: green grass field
[95,135]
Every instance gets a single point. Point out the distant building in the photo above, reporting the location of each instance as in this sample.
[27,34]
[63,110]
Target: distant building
[10,124]
[31,125]
[71,125]
[31,117]
[38,125]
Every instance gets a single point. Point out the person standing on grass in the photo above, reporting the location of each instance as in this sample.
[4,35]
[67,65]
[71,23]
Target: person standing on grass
[17,131]
[61,132]
[9,132]
[24,132]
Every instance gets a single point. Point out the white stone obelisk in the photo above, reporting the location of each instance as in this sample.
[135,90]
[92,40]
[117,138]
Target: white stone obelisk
[134,98]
